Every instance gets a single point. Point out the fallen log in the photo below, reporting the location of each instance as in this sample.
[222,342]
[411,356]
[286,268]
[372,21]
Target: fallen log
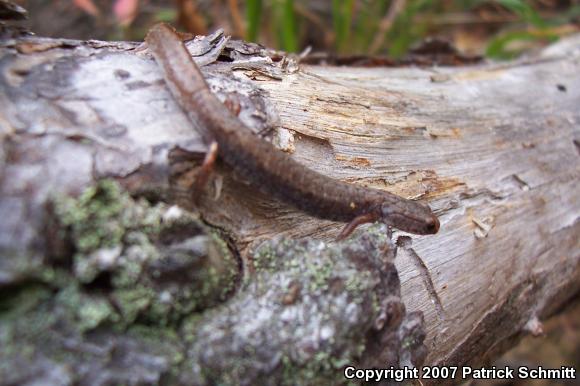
[492,147]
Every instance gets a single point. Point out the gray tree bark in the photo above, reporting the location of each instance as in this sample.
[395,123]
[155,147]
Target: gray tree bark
[89,273]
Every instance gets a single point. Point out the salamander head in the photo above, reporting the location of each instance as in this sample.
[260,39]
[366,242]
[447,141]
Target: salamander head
[416,218]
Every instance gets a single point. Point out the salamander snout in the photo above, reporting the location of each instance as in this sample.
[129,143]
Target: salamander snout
[411,217]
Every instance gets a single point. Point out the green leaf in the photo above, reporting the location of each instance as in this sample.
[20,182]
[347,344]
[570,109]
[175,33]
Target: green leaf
[366,24]
[285,18]
[525,11]
[342,19]
[405,30]
[166,15]
[253,17]
[498,47]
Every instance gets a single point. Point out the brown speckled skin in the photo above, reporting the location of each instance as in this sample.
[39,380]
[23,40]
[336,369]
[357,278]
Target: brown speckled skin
[269,168]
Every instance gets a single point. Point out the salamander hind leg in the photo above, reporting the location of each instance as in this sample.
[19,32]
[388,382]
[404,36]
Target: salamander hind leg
[205,171]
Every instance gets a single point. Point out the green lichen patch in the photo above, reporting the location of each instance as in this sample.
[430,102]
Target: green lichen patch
[160,263]
[97,218]
[83,310]
[133,272]
[102,222]
[307,310]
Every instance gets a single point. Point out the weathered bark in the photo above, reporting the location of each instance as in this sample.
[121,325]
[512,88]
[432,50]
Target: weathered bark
[493,148]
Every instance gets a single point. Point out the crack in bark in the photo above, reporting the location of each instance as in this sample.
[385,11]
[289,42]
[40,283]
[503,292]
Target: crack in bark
[405,242]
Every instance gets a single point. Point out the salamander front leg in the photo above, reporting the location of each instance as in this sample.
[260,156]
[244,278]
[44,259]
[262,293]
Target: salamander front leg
[355,222]
[205,171]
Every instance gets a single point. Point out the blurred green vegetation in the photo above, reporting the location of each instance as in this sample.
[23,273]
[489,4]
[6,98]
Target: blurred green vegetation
[355,25]
[542,29]
[499,29]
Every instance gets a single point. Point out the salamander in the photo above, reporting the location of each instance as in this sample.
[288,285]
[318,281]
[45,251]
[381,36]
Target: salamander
[269,168]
